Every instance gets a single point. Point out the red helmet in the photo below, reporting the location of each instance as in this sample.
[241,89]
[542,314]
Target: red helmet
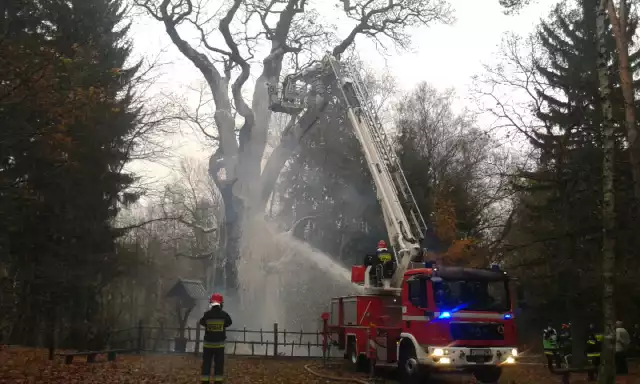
[382,244]
[216,299]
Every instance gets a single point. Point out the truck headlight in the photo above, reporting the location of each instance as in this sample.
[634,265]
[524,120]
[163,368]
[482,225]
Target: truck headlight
[438,352]
[514,352]
[444,360]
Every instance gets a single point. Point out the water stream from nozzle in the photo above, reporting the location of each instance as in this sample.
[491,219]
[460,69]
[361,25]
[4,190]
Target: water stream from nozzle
[285,280]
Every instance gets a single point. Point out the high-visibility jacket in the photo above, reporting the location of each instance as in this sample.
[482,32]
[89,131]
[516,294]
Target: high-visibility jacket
[384,255]
[594,344]
[550,340]
[216,321]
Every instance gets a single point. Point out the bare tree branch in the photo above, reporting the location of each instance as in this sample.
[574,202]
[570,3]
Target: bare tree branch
[389,18]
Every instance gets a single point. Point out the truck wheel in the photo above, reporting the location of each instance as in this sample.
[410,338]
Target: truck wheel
[358,361]
[488,375]
[409,369]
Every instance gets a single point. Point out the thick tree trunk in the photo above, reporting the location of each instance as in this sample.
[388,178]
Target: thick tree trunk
[607,368]
[234,214]
[619,26]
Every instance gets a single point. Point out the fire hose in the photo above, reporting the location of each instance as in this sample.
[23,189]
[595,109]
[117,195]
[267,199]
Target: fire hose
[334,378]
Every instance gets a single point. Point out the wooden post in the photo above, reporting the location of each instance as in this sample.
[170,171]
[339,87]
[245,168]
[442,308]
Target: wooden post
[196,348]
[139,347]
[275,339]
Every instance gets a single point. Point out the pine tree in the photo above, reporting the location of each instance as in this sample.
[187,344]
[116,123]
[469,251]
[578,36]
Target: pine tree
[91,34]
[560,200]
[69,140]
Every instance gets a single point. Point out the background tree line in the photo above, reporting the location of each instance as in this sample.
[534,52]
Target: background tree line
[526,192]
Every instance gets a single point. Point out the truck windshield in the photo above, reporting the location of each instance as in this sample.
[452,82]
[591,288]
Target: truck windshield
[473,295]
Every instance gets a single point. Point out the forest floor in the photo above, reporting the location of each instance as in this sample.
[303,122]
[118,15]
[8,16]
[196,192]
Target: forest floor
[26,365]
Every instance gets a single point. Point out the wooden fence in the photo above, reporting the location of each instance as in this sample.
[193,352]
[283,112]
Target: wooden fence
[241,342]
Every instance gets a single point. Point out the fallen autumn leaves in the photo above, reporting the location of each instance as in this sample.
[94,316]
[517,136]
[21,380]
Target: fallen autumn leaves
[24,365]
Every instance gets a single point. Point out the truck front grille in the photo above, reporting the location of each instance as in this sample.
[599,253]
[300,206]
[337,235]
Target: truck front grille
[477,331]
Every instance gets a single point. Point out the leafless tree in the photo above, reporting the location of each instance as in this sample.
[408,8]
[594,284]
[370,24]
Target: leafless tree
[195,204]
[510,94]
[292,31]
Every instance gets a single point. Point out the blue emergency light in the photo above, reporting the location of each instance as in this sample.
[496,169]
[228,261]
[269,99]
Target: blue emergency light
[507,316]
[445,315]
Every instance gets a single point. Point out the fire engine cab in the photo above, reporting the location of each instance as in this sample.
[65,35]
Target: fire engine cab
[425,317]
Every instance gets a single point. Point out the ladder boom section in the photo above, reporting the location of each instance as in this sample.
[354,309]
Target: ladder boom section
[404,222]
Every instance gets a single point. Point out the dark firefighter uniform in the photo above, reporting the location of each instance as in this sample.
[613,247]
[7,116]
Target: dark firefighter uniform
[382,264]
[594,346]
[215,321]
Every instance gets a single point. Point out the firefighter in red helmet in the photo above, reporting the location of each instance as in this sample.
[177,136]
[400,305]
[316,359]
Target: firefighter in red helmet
[382,264]
[386,260]
[215,321]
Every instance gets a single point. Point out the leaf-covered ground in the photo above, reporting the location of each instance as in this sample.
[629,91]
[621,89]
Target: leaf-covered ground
[22,365]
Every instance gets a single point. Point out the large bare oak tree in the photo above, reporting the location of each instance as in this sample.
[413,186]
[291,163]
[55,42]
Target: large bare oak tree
[289,28]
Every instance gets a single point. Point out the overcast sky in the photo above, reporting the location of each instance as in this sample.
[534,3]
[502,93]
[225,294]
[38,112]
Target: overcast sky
[445,56]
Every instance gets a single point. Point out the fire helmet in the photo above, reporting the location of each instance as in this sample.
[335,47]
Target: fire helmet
[216,299]
[382,244]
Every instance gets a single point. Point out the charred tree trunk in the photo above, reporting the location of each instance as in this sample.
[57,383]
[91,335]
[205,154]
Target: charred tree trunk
[234,213]
[607,367]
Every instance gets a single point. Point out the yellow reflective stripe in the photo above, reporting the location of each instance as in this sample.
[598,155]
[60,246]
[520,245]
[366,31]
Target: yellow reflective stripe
[204,379]
[593,355]
[215,325]
[384,257]
[213,344]
[218,379]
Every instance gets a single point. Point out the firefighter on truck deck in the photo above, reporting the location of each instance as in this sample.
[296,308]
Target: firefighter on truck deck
[215,321]
[382,264]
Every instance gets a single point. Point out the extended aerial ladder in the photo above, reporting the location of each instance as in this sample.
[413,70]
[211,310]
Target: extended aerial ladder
[404,222]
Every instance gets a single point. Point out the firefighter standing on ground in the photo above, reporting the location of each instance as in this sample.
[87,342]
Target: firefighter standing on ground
[594,345]
[550,345]
[215,321]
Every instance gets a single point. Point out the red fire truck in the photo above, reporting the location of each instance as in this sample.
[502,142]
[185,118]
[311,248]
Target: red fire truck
[423,317]
[443,318]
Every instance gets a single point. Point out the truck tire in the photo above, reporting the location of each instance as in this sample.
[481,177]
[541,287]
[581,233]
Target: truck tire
[409,370]
[489,375]
[358,361]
